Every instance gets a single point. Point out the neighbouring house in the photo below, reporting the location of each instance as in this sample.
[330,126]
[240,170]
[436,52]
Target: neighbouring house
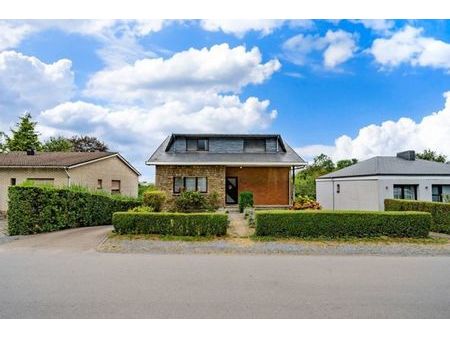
[228,164]
[365,185]
[95,170]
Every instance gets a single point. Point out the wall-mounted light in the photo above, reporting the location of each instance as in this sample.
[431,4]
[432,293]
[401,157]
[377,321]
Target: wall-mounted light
[338,188]
[387,188]
[426,187]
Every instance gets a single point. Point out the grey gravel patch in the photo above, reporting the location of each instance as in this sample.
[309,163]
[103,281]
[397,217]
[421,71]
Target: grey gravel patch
[271,248]
[4,238]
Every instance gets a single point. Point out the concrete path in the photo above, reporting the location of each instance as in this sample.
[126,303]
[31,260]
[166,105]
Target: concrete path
[79,239]
[238,225]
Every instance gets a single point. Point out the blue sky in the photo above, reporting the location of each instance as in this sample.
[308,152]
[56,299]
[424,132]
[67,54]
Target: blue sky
[346,88]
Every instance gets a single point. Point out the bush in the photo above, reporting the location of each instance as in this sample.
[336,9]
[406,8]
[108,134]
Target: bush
[440,212]
[190,201]
[213,201]
[333,224]
[176,224]
[154,199]
[249,215]
[245,200]
[304,203]
[141,208]
[34,209]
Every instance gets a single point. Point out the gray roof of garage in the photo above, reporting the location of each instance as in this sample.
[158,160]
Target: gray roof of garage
[392,165]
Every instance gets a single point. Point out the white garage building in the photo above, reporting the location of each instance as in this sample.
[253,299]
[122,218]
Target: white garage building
[365,185]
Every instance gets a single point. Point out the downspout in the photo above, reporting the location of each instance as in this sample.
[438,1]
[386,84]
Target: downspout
[332,190]
[69,179]
[293,185]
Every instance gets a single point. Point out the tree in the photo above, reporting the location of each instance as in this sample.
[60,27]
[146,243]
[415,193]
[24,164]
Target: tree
[323,163]
[87,144]
[58,143]
[25,136]
[431,155]
[345,163]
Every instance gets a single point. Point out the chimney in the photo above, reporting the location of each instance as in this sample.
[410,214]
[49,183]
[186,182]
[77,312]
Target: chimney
[409,155]
[30,152]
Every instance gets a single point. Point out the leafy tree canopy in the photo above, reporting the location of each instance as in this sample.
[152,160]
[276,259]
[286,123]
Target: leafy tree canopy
[58,143]
[24,136]
[87,144]
[431,155]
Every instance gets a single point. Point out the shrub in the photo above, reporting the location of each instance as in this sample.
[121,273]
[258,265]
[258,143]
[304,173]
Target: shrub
[141,208]
[333,224]
[440,212]
[305,202]
[176,224]
[34,209]
[245,200]
[249,214]
[190,201]
[154,199]
[213,201]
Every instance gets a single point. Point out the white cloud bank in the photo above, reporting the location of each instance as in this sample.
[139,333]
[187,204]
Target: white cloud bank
[336,47]
[433,132]
[28,84]
[409,46]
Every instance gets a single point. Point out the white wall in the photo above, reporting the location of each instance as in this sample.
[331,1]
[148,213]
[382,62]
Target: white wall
[354,194]
[369,193]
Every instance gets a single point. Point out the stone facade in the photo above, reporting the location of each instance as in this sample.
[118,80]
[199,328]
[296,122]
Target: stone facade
[215,175]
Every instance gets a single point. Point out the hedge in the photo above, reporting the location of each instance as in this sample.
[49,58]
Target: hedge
[34,209]
[245,200]
[334,224]
[166,223]
[440,212]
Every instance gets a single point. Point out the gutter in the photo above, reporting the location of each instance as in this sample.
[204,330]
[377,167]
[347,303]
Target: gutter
[69,179]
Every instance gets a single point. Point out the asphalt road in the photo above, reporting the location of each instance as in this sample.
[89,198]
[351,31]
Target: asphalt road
[52,281]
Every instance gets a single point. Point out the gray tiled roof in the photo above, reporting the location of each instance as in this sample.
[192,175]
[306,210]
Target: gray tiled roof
[49,159]
[391,165]
[287,157]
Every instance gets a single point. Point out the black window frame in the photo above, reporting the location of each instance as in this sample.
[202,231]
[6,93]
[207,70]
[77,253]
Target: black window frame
[183,188]
[246,140]
[439,186]
[402,187]
[198,140]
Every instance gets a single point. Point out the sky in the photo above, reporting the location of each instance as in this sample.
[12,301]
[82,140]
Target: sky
[347,88]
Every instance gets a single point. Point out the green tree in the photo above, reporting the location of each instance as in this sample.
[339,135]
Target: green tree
[145,186]
[305,180]
[25,136]
[345,163]
[58,143]
[323,163]
[431,155]
[87,144]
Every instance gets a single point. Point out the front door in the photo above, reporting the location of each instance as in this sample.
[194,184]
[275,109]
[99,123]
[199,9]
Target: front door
[231,190]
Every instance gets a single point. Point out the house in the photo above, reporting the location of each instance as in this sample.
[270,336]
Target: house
[96,170]
[365,185]
[228,164]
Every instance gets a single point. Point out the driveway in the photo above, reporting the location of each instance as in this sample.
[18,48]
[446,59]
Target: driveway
[78,239]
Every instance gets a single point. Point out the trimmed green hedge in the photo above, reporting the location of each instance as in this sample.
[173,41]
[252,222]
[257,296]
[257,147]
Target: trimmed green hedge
[440,212]
[245,200]
[166,223]
[34,209]
[333,224]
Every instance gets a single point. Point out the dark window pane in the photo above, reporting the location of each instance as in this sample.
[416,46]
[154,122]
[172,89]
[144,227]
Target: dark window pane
[255,145]
[201,184]
[177,184]
[191,144]
[202,144]
[189,183]
[397,192]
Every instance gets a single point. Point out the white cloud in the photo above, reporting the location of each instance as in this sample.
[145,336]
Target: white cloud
[26,83]
[381,26]
[409,46]
[337,47]
[192,73]
[241,27]
[433,132]
[12,34]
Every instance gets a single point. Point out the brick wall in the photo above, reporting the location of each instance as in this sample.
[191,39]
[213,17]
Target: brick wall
[215,175]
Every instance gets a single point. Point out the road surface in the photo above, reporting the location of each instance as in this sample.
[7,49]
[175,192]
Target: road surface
[55,281]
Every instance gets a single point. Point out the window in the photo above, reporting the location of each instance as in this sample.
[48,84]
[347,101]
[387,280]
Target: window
[197,144]
[42,181]
[199,184]
[115,187]
[405,192]
[99,184]
[13,181]
[439,192]
[177,184]
[254,145]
